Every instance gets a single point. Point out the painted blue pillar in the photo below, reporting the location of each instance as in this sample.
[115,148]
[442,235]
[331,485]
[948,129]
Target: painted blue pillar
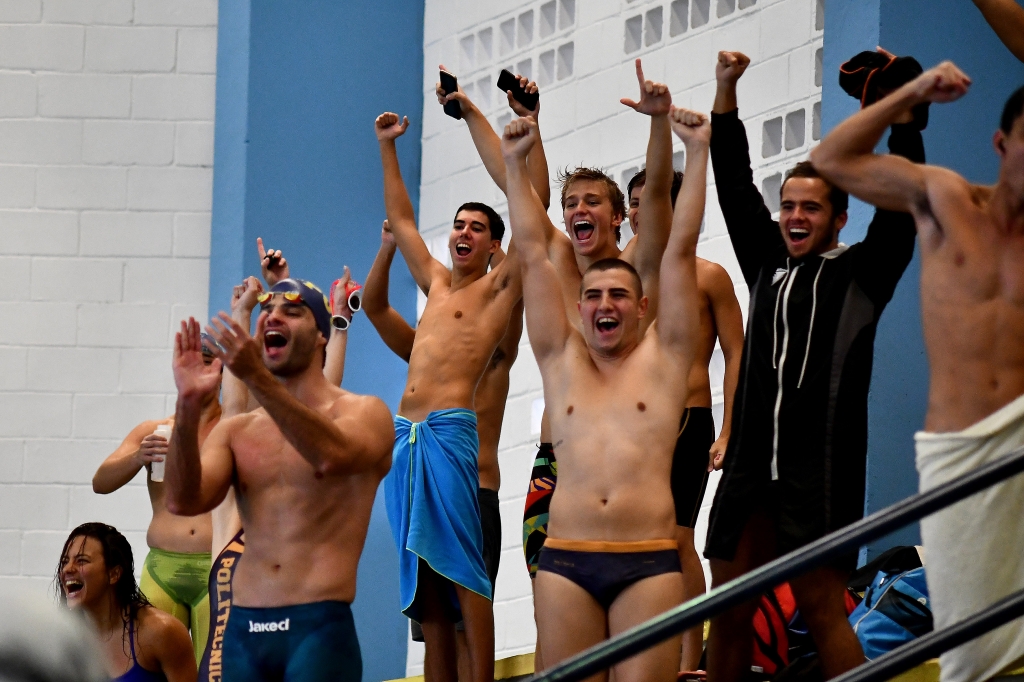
[958,136]
[296,163]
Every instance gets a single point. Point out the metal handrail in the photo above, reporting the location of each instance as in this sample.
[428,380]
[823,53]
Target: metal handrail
[759,580]
[931,645]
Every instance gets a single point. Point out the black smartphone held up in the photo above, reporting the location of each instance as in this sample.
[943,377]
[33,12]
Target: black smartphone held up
[507,81]
[450,84]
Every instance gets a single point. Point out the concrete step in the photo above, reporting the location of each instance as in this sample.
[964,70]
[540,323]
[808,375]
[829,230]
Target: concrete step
[511,669]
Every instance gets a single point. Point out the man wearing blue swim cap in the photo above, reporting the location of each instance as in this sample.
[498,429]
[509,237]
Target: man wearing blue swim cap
[305,469]
[301,292]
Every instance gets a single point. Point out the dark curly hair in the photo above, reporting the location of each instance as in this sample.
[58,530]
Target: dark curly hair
[1013,110]
[497,225]
[116,553]
[838,197]
[640,179]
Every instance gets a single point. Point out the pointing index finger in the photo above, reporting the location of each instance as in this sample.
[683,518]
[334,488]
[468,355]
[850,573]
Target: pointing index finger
[640,73]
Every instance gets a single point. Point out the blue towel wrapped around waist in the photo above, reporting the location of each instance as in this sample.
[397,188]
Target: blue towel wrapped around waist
[431,497]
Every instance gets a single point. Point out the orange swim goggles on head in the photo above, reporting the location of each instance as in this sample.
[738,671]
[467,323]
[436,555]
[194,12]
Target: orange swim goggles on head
[290,296]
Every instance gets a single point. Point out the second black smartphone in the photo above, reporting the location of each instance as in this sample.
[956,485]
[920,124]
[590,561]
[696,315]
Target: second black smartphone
[507,81]
[450,84]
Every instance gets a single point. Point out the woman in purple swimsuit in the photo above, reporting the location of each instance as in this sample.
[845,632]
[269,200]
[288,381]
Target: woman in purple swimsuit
[140,643]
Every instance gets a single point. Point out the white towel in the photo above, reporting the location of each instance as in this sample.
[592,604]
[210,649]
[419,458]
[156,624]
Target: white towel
[975,548]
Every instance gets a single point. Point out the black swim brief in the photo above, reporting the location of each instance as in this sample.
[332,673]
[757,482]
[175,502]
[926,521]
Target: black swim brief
[490,521]
[605,569]
[690,463]
[308,642]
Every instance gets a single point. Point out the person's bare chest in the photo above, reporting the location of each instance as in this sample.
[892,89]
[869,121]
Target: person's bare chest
[273,478]
[607,418]
[458,333]
[972,285]
[117,652]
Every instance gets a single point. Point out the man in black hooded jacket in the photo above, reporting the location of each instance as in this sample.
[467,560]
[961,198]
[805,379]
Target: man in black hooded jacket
[794,469]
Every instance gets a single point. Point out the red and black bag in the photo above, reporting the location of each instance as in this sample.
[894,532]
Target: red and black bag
[780,634]
[775,612]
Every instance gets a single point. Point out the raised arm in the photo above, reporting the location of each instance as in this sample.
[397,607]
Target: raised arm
[272,263]
[753,233]
[139,449]
[679,316]
[846,156]
[337,345]
[392,327]
[401,216]
[546,321]
[196,484]
[646,250]
[725,310]
[316,436]
[488,144]
[1006,18]
[234,396]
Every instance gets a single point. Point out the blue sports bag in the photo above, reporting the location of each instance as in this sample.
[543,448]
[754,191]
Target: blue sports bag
[894,611]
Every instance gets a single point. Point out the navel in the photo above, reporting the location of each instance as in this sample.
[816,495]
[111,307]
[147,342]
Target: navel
[192,532]
[458,314]
[318,475]
[641,407]
[569,411]
[959,258]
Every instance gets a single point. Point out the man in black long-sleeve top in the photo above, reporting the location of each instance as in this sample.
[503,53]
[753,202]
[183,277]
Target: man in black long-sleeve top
[794,469]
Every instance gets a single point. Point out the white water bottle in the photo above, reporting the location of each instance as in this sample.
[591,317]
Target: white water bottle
[157,468]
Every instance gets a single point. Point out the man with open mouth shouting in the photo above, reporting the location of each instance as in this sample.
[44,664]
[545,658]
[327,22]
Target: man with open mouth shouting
[432,490]
[488,403]
[794,467]
[614,395]
[305,468]
[972,311]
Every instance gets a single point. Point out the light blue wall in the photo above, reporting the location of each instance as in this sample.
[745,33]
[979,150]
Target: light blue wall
[959,137]
[296,162]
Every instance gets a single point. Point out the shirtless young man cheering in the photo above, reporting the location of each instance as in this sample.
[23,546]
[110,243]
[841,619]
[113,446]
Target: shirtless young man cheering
[431,493]
[305,467]
[489,405]
[972,308]
[697,451]
[228,535]
[593,209]
[611,558]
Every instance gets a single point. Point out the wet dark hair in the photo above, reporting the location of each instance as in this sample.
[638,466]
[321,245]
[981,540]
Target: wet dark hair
[116,553]
[1012,111]
[606,264]
[839,199]
[495,223]
[640,179]
[580,173]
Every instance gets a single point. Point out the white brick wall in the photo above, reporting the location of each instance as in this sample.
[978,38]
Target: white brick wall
[582,121]
[106,154]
